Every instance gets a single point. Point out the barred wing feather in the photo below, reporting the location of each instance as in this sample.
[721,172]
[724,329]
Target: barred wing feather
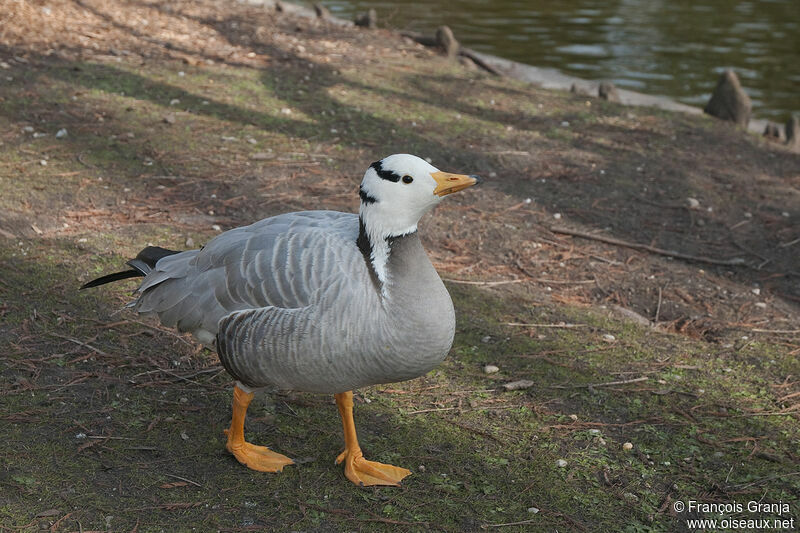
[280,262]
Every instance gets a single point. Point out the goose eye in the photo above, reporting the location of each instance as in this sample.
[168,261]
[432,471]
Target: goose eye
[407,179]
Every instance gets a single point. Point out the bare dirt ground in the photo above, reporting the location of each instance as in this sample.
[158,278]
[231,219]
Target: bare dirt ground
[637,244]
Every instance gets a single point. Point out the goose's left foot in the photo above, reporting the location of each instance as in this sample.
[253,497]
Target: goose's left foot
[255,457]
[356,468]
[366,473]
[258,458]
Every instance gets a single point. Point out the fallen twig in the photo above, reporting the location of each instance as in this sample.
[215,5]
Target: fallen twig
[762,480]
[430,410]
[584,425]
[607,384]
[485,283]
[183,479]
[736,261]
[76,341]
[466,52]
[658,307]
[475,430]
[58,522]
[479,408]
[560,325]
[520,523]
[565,282]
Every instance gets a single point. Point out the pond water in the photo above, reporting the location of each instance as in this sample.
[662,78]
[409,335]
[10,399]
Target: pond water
[674,48]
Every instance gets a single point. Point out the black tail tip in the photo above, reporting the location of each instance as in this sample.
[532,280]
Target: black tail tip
[109,278]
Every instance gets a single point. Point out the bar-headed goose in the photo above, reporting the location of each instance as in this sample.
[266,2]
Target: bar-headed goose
[315,301]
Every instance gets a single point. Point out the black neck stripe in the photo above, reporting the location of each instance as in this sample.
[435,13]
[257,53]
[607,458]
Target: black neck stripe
[365,245]
[366,197]
[377,166]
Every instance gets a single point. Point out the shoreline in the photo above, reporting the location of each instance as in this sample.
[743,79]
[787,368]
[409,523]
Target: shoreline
[553,79]
[546,78]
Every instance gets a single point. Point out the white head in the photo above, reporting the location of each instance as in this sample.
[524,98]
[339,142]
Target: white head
[397,190]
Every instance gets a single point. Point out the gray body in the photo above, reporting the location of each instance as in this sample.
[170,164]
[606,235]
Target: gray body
[293,304]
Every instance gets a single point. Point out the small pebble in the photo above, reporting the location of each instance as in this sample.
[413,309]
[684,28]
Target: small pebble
[627,446]
[694,203]
[189,242]
[609,338]
[491,369]
[761,305]
[43,163]
[216,227]
[60,134]
[574,418]
[561,463]
[421,468]
[486,339]
[518,385]
[28,129]
[533,510]
[756,291]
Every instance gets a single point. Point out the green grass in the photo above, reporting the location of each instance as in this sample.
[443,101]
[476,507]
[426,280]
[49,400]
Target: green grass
[488,461]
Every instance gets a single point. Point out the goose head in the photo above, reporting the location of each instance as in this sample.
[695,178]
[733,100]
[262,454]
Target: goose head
[397,190]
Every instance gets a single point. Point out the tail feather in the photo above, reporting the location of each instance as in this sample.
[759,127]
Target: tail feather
[144,262]
[108,278]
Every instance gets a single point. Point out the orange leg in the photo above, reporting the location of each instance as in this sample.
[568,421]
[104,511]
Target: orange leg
[356,468]
[258,458]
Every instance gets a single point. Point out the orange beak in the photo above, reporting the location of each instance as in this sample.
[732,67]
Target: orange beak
[447,183]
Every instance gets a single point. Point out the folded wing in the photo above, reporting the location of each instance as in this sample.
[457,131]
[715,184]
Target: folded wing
[281,262]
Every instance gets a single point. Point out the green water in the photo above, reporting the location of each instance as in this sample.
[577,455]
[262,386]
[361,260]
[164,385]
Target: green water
[670,48]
